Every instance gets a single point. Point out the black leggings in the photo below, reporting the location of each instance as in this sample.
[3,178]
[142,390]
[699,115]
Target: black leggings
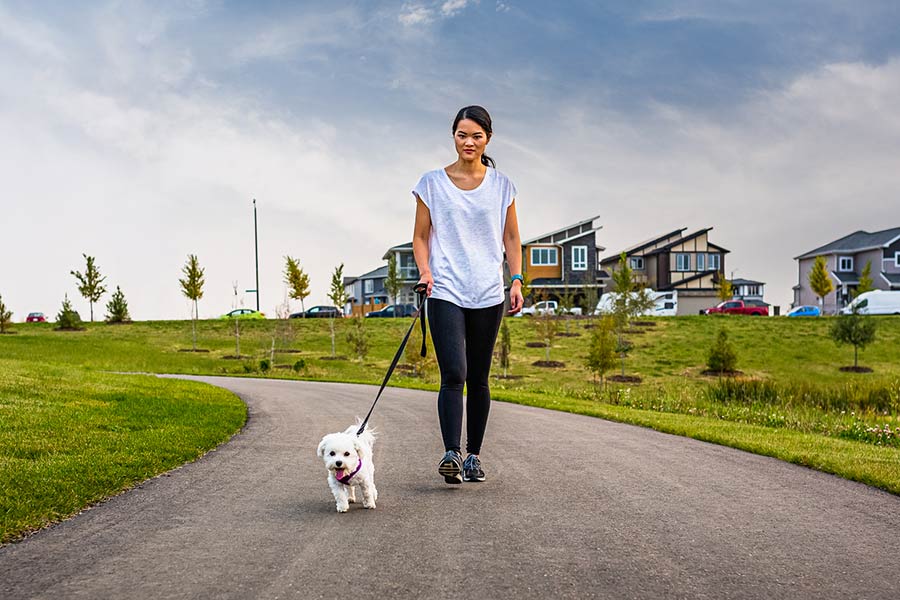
[464,345]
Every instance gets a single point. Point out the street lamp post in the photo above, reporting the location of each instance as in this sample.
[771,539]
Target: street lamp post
[256,254]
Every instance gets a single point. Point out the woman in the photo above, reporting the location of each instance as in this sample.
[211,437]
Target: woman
[465,218]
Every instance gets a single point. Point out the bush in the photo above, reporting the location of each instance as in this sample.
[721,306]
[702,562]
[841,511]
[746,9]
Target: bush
[299,365]
[68,319]
[117,308]
[5,317]
[722,358]
[357,337]
[264,365]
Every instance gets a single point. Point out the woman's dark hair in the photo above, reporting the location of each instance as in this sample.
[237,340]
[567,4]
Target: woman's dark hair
[480,116]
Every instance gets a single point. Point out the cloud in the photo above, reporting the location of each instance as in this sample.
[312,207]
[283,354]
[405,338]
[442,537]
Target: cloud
[415,14]
[452,7]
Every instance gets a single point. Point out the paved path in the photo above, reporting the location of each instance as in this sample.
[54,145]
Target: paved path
[574,507]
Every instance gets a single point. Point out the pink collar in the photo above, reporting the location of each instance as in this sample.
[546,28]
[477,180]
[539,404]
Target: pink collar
[346,478]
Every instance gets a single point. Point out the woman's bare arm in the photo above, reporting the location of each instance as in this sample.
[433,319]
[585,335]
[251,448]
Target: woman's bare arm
[512,243]
[421,235]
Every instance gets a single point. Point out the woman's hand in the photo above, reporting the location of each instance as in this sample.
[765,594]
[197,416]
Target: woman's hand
[428,280]
[515,297]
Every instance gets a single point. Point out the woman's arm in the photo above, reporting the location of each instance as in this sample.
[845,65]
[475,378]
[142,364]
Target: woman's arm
[512,243]
[421,235]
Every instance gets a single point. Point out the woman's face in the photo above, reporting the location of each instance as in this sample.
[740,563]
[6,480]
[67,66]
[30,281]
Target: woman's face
[470,140]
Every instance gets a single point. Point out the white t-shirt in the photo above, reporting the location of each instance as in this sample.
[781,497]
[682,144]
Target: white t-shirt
[466,244]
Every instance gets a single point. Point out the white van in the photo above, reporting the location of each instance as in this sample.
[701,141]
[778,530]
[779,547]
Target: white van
[878,302]
[666,304]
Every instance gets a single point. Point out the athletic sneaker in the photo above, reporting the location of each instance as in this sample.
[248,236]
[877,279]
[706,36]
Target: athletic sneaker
[472,469]
[451,467]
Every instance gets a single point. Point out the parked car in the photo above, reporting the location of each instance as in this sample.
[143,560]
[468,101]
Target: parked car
[877,302]
[318,312]
[244,313]
[665,304]
[36,317]
[804,311]
[753,308]
[545,306]
[394,310]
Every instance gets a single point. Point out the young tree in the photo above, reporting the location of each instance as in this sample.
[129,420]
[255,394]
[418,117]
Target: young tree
[856,329]
[392,283]
[590,298]
[865,280]
[297,281]
[338,297]
[721,357]
[68,319]
[526,286]
[640,302]
[412,356]
[117,308]
[192,288]
[546,327]
[505,348]
[566,304]
[358,338]
[5,317]
[601,356]
[819,281]
[724,288]
[90,284]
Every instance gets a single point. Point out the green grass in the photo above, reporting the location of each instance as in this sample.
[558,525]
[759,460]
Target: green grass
[71,438]
[791,403]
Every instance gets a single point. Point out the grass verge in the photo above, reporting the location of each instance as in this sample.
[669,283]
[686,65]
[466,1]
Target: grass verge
[71,438]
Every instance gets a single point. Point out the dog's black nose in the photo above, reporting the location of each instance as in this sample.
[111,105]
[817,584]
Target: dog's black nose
[338,463]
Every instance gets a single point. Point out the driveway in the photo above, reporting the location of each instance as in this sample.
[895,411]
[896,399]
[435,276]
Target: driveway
[574,507]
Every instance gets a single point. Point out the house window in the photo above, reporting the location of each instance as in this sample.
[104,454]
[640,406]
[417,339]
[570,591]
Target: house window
[543,257]
[636,263]
[682,262]
[845,263]
[897,259]
[713,263]
[368,286]
[579,258]
[701,262]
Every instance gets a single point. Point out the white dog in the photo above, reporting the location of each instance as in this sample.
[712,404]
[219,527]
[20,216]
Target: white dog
[348,458]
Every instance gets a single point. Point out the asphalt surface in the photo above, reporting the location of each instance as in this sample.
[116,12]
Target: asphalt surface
[574,507]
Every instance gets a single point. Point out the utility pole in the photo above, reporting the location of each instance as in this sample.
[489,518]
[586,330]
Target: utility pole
[256,254]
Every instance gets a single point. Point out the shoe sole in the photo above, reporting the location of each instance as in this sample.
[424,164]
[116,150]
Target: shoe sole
[475,479]
[451,472]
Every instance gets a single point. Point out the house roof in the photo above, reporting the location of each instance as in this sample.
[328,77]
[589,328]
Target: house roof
[645,244]
[856,242]
[392,249]
[376,274]
[562,230]
[892,278]
[746,282]
[687,238]
[845,277]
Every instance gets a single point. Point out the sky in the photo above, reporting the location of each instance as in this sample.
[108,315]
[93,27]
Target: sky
[141,132]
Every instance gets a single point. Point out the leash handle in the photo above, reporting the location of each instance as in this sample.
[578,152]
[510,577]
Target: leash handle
[421,290]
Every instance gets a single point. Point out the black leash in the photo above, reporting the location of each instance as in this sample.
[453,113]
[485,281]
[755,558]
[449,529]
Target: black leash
[420,289]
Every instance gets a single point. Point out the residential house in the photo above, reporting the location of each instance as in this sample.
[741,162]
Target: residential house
[689,264]
[564,259]
[845,259]
[747,289]
[408,271]
[366,292]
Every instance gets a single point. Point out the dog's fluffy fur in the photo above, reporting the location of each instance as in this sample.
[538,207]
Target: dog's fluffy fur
[342,453]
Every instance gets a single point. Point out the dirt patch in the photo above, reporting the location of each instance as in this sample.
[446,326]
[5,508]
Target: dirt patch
[288,351]
[709,373]
[624,378]
[856,369]
[643,323]
[632,330]
[535,345]
[236,356]
[283,367]
[333,358]
[9,332]
[510,377]
[550,364]
[69,329]
[193,350]
[572,334]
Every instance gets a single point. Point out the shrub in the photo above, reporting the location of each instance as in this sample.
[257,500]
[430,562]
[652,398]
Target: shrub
[117,308]
[299,365]
[358,338]
[5,317]
[722,358]
[68,319]
[264,365]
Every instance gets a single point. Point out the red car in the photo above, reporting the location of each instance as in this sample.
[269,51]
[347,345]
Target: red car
[36,317]
[739,307]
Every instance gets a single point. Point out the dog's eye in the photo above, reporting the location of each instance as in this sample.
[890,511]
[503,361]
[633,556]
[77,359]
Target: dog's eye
[346,454]
[331,453]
